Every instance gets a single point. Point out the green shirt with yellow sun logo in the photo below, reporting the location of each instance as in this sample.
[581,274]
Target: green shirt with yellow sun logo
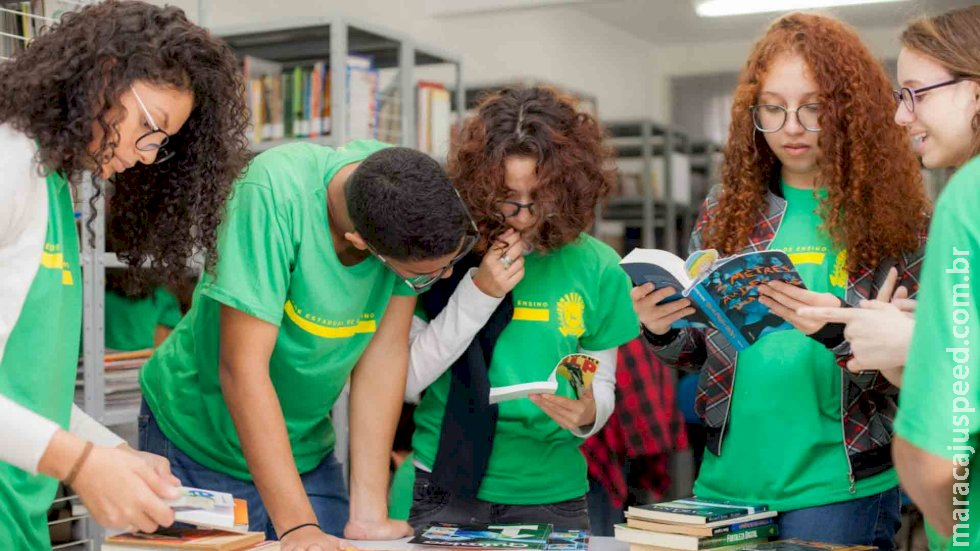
[575,297]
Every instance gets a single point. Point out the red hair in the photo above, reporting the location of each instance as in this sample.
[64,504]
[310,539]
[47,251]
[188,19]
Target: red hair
[876,204]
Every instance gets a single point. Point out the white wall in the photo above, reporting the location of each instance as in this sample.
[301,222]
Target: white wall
[556,44]
[718,57]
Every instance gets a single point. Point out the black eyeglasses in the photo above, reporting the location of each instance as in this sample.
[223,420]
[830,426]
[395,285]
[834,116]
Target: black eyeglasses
[511,209]
[906,96]
[772,118]
[421,282]
[156,139]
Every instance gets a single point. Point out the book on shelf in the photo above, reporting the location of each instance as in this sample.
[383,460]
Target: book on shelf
[433,114]
[758,534]
[577,369]
[723,291]
[190,539]
[486,536]
[294,101]
[698,511]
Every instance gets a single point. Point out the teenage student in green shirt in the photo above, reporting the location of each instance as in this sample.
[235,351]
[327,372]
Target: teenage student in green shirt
[939,105]
[138,316]
[533,169]
[813,167]
[151,104]
[320,256]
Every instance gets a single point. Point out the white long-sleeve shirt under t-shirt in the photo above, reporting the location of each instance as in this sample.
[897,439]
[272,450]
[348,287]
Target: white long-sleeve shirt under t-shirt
[439,343]
[23,226]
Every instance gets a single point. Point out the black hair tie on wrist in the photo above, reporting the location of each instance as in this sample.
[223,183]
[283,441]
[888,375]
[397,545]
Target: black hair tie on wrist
[294,528]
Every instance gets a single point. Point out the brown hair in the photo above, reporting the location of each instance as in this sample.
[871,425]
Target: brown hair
[876,205]
[573,163]
[953,40]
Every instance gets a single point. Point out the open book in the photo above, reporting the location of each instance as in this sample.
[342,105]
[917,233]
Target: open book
[577,369]
[723,291]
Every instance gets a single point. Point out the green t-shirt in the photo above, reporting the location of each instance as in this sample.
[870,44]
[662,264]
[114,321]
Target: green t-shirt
[574,297]
[131,324]
[785,439]
[939,388]
[276,262]
[39,365]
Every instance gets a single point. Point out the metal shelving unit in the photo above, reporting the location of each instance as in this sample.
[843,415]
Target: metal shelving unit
[475,91]
[302,42]
[647,140]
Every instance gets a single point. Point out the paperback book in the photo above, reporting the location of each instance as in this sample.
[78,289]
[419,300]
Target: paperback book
[723,291]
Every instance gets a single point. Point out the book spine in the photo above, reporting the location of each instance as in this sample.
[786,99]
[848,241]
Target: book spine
[742,536]
[741,526]
[718,317]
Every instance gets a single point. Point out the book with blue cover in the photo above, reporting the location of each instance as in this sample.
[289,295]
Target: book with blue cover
[493,536]
[723,291]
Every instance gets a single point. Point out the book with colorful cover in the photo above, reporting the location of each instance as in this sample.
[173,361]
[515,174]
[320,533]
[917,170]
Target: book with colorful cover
[705,530]
[695,510]
[800,545]
[492,536]
[577,369]
[695,543]
[568,540]
[723,291]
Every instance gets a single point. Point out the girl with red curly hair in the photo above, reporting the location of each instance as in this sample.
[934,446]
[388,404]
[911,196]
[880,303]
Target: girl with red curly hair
[532,170]
[815,167]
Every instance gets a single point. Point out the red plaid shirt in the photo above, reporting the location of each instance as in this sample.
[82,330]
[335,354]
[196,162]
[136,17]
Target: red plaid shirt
[645,423]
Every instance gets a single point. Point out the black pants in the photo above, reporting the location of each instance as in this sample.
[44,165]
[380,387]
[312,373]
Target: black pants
[433,504]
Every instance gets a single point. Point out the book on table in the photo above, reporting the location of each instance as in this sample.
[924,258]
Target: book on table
[724,292]
[486,536]
[667,540]
[190,539]
[699,511]
[705,530]
[800,545]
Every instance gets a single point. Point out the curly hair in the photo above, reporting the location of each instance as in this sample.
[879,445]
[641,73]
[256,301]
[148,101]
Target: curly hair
[71,77]
[574,166]
[876,204]
[953,40]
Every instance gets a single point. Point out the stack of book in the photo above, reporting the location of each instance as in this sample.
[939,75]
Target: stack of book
[693,524]
[122,387]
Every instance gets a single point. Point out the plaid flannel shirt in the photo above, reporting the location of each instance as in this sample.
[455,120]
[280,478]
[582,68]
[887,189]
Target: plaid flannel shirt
[868,400]
[645,427]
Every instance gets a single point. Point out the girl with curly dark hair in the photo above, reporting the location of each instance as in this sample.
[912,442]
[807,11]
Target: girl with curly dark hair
[532,170]
[815,167]
[153,104]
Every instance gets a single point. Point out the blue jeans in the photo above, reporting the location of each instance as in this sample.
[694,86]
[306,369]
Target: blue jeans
[324,485]
[872,520]
[433,504]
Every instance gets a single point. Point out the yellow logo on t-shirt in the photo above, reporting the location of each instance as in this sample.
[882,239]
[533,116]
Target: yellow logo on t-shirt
[571,315]
[53,259]
[528,310]
[329,329]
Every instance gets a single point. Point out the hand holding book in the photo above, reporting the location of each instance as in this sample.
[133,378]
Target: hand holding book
[784,300]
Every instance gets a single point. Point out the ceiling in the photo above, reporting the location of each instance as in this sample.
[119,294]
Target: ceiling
[674,21]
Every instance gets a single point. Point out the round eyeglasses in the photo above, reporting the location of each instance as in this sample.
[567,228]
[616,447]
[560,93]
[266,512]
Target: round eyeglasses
[907,96]
[772,118]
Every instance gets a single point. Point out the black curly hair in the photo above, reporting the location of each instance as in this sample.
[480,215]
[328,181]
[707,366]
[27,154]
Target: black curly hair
[71,77]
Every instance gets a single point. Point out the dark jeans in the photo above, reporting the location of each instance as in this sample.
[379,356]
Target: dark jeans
[873,520]
[433,504]
[324,485]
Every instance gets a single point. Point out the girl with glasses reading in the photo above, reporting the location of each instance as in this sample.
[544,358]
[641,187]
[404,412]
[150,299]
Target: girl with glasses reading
[939,107]
[115,89]
[815,168]
[532,170]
